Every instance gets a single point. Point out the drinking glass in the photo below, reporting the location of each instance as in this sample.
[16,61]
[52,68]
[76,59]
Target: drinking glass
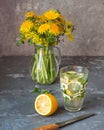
[73,83]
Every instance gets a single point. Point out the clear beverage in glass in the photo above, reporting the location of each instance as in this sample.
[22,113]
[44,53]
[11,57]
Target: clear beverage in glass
[73,83]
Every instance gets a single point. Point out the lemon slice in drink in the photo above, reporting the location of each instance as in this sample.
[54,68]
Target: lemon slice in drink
[75,87]
[68,92]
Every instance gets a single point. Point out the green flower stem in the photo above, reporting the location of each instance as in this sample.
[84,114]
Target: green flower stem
[51,66]
[34,67]
[44,69]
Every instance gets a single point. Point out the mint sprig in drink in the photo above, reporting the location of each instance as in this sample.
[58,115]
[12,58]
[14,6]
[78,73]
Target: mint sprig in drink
[73,83]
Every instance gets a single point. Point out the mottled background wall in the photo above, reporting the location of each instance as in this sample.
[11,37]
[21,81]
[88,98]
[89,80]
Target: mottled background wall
[87,15]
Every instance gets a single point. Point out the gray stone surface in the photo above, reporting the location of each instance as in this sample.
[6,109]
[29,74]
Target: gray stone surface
[17,98]
[87,15]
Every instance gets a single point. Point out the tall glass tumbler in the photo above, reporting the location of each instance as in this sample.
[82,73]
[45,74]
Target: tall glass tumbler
[73,83]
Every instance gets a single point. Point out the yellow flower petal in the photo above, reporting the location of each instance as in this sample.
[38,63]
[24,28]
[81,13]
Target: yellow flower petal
[54,29]
[70,37]
[41,19]
[29,35]
[26,26]
[51,14]
[29,14]
[43,28]
[36,39]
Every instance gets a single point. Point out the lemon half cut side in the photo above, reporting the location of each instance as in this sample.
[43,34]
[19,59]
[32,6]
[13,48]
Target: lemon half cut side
[46,104]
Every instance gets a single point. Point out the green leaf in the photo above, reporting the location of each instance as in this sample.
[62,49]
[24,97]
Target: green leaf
[30,42]
[21,36]
[36,90]
[45,91]
[19,43]
[41,91]
[67,101]
[30,18]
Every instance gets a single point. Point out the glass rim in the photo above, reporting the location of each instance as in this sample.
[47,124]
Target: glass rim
[75,66]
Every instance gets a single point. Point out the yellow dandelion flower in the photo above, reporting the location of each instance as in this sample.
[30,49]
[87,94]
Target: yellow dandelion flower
[62,19]
[26,26]
[70,37]
[43,28]
[68,31]
[54,29]
[29,14]
[69,24]
[36,39]
[29,35]
[51,14]
[41,18]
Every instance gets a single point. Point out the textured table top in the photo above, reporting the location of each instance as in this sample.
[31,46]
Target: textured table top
[17,97]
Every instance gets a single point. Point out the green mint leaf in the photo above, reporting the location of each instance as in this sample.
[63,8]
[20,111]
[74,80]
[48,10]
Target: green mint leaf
[41,90]
[45,91]
[36,90]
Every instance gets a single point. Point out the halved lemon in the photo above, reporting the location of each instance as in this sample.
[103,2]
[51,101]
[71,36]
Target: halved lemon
[46,104]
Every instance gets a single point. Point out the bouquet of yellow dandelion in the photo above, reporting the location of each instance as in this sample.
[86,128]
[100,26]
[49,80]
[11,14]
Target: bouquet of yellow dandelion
[44,31]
